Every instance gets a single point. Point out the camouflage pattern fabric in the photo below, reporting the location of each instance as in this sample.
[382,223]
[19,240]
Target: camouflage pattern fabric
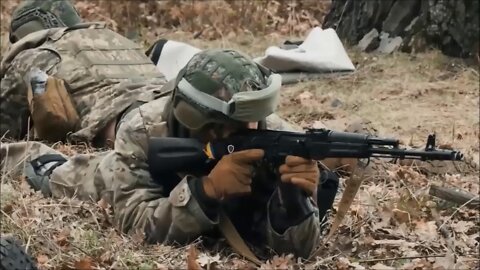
[222,73]
[103,71]
[121,178]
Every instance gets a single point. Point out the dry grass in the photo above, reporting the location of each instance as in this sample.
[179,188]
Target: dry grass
[392,218]
[208,19]
[147,20]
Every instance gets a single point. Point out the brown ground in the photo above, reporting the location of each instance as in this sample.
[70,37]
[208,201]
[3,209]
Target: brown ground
[401,95]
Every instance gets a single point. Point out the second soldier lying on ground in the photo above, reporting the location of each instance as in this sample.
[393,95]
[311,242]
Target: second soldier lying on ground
[90,75]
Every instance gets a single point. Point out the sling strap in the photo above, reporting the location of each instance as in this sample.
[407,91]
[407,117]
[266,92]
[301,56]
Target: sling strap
[234,239]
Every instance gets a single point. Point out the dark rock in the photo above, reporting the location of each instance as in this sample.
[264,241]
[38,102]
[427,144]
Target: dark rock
[336,103]
[387,44]
[367,40]
[450,25]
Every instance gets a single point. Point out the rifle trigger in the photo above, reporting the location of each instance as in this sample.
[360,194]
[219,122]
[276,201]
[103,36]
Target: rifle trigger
[368,162]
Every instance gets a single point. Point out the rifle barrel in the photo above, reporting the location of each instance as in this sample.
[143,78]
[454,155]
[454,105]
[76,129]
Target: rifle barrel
[417,154]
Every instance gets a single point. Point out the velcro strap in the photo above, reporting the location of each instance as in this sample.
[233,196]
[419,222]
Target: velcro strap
[45,159]
[155,51]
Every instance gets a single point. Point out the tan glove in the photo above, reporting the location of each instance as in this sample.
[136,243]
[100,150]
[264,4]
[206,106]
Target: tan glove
[301,172]
[232,175]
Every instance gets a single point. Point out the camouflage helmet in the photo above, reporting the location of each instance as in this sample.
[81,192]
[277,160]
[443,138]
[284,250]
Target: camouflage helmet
[221,85]
[34,15]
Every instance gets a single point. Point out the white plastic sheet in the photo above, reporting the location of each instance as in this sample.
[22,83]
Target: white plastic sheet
[322,51]
[175,55]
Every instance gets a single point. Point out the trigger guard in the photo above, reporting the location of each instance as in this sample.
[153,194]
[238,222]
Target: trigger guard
[363,164]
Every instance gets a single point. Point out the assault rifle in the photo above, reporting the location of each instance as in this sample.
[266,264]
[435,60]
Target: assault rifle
[168,154]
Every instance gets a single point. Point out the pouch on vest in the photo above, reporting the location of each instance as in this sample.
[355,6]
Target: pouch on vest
[53,112]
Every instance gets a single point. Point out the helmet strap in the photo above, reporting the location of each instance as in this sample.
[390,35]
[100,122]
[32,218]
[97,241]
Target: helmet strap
[175,129]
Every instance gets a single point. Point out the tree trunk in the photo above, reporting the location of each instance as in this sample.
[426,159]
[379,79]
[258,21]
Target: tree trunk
[408,25]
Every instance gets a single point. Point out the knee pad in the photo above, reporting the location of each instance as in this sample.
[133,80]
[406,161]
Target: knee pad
[38,171]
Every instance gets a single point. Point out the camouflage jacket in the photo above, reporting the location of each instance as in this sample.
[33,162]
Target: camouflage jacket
[167,209]
[103,71]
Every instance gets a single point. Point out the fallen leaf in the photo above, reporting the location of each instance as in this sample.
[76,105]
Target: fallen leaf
[391,242]
[381,266]
[62,238]
[356,266]
[83,264]
[401,216]
[161,266]
[103,204]
[462,226]
[281,262]
[205,260]
[138,237]
[447,262]
[426,231]
[368,240]
[42,259]
[8,209]
[192,254]
[242,265]
[410,252]
[342,263]
[106,257]
[385,218]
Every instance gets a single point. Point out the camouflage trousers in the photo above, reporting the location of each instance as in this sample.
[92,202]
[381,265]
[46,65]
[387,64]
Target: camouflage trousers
[76,174]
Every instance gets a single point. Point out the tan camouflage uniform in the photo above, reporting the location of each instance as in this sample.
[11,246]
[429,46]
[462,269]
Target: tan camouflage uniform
[121,177]
[104,73]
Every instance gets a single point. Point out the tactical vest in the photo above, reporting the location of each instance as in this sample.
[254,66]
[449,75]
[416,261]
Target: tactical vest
[92,54]
[103,71]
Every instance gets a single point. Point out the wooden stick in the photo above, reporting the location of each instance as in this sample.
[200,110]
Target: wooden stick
[456,196]
[351,189]
[403,258]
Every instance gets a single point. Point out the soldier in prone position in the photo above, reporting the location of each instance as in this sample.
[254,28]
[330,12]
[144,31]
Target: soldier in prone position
[90,76]
[178,207]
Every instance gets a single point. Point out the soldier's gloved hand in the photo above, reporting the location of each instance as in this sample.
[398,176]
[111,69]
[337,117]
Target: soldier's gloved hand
[232,175]
[303,173]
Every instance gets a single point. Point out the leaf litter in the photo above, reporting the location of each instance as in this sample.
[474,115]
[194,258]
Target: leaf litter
[381,230]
